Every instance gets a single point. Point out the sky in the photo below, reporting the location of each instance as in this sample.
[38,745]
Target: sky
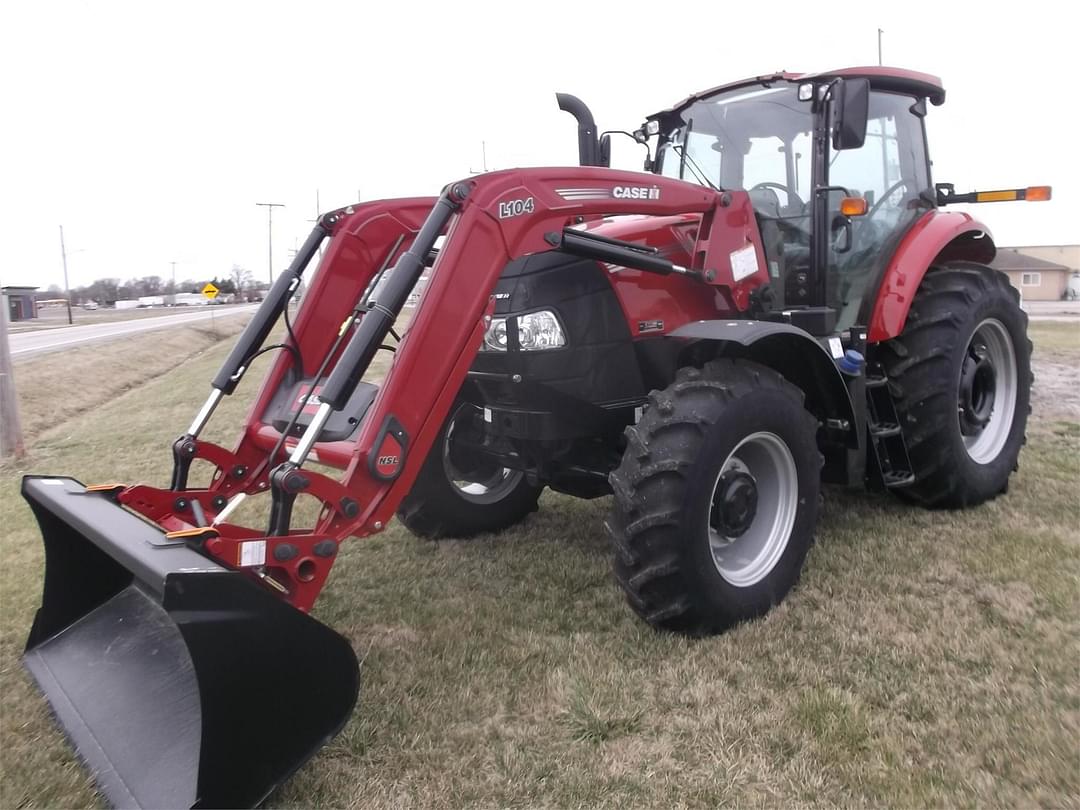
[150,130]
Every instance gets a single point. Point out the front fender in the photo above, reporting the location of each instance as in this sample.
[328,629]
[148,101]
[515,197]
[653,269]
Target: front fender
[793,352]
[938,235]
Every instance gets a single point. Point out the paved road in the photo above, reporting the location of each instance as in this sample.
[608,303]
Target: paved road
[25,344]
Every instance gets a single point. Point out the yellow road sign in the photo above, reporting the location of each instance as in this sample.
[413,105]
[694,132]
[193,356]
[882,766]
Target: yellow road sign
[210,291]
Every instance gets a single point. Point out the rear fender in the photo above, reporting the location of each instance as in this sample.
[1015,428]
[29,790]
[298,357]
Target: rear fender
[793,352]
[938,236]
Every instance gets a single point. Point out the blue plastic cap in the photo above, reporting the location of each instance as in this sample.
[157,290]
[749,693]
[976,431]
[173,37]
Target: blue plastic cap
[851,362]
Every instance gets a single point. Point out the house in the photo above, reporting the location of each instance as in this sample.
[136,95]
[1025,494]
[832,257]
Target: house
[1040,273]
[20,302]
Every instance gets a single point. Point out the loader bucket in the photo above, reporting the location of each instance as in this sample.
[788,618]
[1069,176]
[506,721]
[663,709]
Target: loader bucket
[179,682]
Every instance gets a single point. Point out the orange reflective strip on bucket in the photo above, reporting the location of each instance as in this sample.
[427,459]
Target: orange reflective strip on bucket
[105,487]
[198,531]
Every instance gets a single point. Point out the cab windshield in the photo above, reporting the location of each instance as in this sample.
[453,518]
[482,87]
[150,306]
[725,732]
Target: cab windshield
[758,139]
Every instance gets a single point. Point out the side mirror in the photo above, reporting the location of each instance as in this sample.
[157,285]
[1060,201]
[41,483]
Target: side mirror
[850,109]
[605,150]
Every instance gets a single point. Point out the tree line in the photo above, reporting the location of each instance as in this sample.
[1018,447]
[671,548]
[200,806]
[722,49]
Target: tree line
[237,281]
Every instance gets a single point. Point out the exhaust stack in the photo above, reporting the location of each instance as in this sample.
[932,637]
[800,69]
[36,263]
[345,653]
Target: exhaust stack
[589,151]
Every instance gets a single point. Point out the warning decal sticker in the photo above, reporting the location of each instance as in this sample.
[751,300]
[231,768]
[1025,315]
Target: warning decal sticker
[252,552]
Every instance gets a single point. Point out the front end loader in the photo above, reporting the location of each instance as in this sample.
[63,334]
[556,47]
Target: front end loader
[683,339]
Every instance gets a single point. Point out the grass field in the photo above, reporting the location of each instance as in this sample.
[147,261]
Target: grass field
[926,659]
[56,386]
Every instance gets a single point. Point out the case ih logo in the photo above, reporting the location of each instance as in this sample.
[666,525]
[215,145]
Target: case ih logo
[618,192]
[635,193]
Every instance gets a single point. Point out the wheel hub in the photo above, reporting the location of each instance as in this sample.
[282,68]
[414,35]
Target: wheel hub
[978,385]
[475,477]
[988,391]
[734,503]
[752,510]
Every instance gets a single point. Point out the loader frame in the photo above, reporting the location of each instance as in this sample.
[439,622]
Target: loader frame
[487,222]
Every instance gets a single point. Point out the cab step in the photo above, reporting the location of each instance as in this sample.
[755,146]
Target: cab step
[886,435]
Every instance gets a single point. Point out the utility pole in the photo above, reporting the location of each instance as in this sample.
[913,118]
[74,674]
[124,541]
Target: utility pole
[11,439]
[270,234]
[879,33]
[173,277]
[318,213]
[483,158]
[67,290]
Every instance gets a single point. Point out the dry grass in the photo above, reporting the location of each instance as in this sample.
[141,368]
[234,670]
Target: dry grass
[927,658]
[57,386]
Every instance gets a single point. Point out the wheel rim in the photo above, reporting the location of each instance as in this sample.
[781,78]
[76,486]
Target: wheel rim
[748,533]
[986,398]
[493,485]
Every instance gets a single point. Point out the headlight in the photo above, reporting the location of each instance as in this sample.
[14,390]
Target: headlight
[536,331]
[495,338]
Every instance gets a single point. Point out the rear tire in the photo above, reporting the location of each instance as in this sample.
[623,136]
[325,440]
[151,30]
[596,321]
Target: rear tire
[960,375]
[444,502]
[716,498]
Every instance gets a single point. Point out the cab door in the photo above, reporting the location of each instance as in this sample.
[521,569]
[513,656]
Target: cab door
[890,171]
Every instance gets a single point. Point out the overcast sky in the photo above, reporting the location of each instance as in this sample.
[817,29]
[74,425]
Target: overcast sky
[150,129]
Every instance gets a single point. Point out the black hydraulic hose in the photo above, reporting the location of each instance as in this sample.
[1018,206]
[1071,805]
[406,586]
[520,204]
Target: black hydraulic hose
[297,360]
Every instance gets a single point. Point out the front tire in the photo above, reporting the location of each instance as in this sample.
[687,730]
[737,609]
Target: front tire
[458,495]
[716,498]
[960,376]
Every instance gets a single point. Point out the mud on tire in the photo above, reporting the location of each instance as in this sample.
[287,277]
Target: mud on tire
[963,315]
[670,531]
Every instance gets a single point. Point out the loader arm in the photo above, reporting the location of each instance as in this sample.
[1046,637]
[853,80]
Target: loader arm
[487,222]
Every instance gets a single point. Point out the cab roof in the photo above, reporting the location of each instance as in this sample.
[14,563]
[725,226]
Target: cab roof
[896,80]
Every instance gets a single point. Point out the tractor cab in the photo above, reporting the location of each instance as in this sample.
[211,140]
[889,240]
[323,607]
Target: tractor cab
[835,166]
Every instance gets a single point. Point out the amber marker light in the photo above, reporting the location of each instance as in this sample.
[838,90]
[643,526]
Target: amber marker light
[853,206]
[1037,193]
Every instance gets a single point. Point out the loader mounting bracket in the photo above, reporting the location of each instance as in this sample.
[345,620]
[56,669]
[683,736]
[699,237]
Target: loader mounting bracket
[286,482]
[184,450]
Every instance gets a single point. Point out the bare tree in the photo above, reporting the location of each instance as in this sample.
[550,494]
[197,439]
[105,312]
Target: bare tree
[241,278]
[149,285]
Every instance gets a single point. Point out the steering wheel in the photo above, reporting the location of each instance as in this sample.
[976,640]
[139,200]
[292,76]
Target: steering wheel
[792,197]
[888,193]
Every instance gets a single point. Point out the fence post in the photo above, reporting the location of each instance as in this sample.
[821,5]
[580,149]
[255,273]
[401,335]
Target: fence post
[11,438]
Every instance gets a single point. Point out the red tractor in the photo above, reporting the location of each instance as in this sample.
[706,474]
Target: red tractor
[780,300]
